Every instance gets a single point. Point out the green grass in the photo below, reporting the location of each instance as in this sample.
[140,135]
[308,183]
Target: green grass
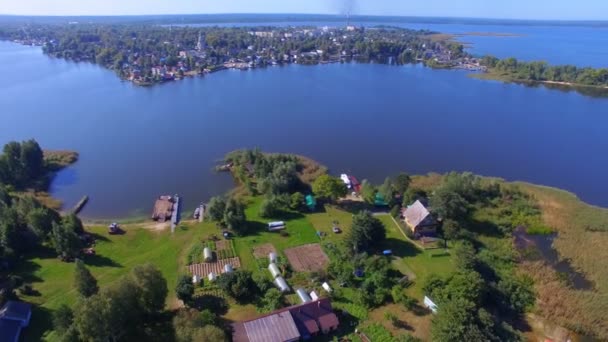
[115,256]
[410,260]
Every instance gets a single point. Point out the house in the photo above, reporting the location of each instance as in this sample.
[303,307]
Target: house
[14,316]
[419,219]
[288,324]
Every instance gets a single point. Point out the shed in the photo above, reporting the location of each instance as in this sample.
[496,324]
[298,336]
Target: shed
[281,284]
[430,304]
[275,226]
[207,254]
[17,311]
[314,295]
[211,276]
[272,257]
[326,287]
[304,297]
[380,201]
[274,270]
[311,202]
[387,252]
[228,268]
[196,279]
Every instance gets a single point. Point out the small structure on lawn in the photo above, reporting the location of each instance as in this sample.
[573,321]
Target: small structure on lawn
[207,254]
[196,279]
[304,297]
[163,208]
[228,268]
[314,296]
[274,270]
[276,226]
[430,304]
[114,228]
[14,316]
[326,287]
[379,200]
[419,219]
[311,202]
[211,277]
[346,180]
[272,257]
[281,284]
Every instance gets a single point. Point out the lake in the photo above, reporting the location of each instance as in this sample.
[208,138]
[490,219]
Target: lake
[370,120]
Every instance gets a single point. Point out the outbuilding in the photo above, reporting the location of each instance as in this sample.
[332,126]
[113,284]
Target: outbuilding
[272,257]
[196,279]
[304,297]
[326,287]
[211,276]
[228,268]
[281,284]
[207,254]
[274,270]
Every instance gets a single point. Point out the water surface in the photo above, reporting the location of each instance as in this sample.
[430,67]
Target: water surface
[372,120]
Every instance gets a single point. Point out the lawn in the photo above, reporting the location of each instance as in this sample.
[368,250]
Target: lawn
[115,256]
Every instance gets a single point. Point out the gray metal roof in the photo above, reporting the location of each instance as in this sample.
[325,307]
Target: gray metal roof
[279,327]
[415,214]
[281,284]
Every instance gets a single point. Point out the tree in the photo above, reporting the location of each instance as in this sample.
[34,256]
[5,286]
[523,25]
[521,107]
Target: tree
[449,204]
[297,201]
[455,321]
[368,192]
[366,231]
[32,160]
[72,223]
[84,282]
[40,221]
[451,230]
[152,288]
[234,216]
[208,333]
[269,207]
[329,188]
[401,183]
[185,289]
[66,241]
[412,195]
[63,318]
[216,209]
[272,300]
[239,285]
[464,256]
[192,326]
[387,192]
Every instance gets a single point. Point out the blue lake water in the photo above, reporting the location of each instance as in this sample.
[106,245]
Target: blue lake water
[372,120]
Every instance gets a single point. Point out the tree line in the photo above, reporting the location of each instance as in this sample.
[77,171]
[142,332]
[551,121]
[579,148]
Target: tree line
[540,71]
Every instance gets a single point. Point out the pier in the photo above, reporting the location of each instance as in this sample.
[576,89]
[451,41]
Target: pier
[175,213]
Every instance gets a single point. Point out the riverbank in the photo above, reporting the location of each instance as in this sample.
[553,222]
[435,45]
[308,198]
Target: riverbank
[584,89]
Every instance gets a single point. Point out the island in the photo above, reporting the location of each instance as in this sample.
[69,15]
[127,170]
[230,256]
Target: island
[148,53]
[322,254]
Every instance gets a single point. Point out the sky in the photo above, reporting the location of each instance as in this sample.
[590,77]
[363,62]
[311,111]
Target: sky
[507,9]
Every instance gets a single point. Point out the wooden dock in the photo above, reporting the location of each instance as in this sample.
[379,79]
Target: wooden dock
[175,214]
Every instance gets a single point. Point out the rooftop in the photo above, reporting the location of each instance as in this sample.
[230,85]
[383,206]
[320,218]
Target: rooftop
[415,214]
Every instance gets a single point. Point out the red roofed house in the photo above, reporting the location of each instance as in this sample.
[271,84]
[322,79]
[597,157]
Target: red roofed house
[288,324]
[419,219]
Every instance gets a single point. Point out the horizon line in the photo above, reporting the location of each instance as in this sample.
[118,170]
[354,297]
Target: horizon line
[302,14]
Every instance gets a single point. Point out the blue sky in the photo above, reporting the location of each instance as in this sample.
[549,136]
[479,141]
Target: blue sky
[519,9]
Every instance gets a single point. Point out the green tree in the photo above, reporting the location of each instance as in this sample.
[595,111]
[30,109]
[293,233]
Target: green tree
[32,160]
[366,231]
[192,326]
[387,192]
[40,221]
[464,256]
[272,300]
[216,209]
[185,289]
[234,216]
[63,318]
[401,183]
[152,288]
[66,241]
[451,230]
[368,192]
[297,201]
[84,282]
[455,321]
[449,204]
[238,285]
[329,188]
[73,223]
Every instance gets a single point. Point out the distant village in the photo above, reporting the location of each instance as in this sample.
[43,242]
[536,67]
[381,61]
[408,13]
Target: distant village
[243,49]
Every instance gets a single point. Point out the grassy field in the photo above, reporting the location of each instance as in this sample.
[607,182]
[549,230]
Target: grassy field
[117,254]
